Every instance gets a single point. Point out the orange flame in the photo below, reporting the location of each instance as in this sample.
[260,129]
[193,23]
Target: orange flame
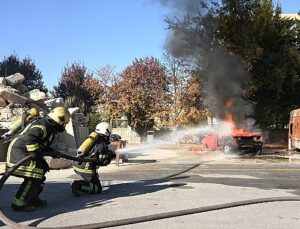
[230,121]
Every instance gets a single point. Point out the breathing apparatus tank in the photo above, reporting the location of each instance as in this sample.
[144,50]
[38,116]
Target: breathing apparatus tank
[88,143]
[20,122]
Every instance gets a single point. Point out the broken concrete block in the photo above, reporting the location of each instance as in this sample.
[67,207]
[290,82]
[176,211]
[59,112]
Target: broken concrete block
[2,102]
[63,142]
[61,163]
[37,95]
[15,79]
[2,81]
[22,89]
[12,97]
[8,114]
[55,163]
[52,103]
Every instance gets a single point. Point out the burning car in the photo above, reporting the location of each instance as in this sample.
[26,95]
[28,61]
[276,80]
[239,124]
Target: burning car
[230,138]
[246,142]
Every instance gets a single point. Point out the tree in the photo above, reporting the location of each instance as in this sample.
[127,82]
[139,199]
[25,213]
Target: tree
[141,93]
[106,102]
[186,102]
[33,77]
[235,36]
[222,73]
[77,87]
[269,45]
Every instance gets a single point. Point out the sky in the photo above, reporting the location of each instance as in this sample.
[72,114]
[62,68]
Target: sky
[54,33]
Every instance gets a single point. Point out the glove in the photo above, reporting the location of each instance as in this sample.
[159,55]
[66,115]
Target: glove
[80,155]
[106,162]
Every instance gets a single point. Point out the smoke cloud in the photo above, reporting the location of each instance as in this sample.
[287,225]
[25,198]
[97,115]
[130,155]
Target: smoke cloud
[223,74]
[226,77]
[191,7]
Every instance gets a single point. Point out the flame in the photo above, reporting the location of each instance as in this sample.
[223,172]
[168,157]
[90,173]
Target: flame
[230,121]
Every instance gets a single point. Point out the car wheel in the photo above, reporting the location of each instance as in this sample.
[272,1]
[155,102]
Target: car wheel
[227,149]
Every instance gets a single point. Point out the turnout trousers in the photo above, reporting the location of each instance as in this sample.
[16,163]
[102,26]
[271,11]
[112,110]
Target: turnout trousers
[90,183]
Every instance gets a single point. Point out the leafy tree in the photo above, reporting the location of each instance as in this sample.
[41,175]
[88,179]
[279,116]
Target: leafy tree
[270,46]
[195,111]
[77,87]
[195,37]
[33,77]
[106,102]
[141,93]
[94,119]
[267,43]
[186,102]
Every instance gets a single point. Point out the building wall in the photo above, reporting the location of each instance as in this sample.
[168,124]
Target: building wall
[127,134]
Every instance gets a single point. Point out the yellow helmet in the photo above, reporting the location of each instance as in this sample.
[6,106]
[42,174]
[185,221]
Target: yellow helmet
[60,115]
[34,112]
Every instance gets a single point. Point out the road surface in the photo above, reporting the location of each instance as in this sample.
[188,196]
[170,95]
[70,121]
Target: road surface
[171,179]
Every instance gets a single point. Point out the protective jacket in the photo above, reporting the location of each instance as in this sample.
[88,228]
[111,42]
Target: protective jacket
[99,151]
[35,138]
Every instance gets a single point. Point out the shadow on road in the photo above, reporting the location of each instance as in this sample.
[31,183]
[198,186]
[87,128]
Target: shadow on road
[60,198]
[260,183]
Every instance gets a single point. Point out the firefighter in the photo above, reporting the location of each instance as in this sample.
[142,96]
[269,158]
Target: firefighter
[34,139]
[20,123]
[95,146]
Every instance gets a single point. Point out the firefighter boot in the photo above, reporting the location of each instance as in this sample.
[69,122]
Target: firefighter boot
[39,203]
[25,208]
[76,188]
[36,200]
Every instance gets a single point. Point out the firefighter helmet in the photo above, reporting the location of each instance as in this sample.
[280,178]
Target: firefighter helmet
[60,115]
[103,128]
[33,112]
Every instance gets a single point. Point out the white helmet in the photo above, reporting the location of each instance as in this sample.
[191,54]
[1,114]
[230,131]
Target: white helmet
[103,128]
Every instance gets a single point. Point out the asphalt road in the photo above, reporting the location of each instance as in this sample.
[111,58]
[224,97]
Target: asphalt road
[172,179]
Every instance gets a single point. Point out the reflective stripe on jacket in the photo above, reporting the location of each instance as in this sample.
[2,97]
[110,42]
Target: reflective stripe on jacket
[98,150]
[35,137]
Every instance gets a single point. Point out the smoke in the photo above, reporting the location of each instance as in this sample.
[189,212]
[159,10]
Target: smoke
[223,74]
[191,7]
[226,77]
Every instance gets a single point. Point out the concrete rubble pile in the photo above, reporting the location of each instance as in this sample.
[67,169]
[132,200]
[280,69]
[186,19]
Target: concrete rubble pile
[15,97]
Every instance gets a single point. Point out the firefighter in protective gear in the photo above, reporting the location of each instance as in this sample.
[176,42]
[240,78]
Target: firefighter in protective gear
[34,139]
[95,146]
[21,122]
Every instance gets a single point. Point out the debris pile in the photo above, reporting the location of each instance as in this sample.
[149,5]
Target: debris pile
[16,98]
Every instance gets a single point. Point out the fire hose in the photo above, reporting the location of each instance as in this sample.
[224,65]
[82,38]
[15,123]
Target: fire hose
[134,220]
